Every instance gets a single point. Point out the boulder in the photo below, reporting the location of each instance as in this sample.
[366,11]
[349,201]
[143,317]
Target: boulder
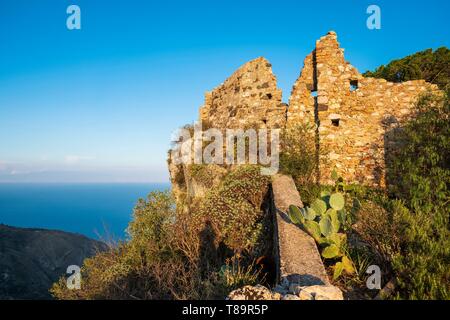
[257,292]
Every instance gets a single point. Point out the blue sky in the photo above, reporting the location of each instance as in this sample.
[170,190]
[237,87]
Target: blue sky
[99,104]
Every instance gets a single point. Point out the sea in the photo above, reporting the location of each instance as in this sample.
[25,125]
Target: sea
[99,211]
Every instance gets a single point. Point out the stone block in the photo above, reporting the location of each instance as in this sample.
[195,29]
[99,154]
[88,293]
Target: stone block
[297,256]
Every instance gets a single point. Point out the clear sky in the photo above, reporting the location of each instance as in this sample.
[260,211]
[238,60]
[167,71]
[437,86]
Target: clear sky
[99,104]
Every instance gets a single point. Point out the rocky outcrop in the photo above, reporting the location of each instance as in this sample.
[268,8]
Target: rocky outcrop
[31,260]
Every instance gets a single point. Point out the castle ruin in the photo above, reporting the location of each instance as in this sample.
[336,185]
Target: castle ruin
[354,114]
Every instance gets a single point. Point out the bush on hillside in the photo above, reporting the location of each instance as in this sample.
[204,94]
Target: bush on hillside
[422,170]
[152,265]
[299,158]
[234,209]
[434,67]
[175,255]
[410,229]
[420,167]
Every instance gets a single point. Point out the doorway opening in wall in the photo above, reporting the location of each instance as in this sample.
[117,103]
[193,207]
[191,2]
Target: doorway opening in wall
[353,85]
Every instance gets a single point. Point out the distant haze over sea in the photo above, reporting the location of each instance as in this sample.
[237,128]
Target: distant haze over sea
[95,210]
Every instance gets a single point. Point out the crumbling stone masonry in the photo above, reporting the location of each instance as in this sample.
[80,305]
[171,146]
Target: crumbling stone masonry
[356,116]
[249,97]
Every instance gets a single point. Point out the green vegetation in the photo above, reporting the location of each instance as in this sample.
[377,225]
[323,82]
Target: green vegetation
[179,178]
[299,159]
[235,275]
[434,67]
[211,248]
[234,208]
[207,175]
[174,255]
[323,220]
[411,247]
[407,228]
[421,168]
[298,152]
[202,174]
[153,264]
[404,230]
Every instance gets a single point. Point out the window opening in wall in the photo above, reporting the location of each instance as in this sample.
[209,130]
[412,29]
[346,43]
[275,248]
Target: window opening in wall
[335,122]
[353,85]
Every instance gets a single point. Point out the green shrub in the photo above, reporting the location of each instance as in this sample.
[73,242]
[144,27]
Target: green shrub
[308,191]
[202,174]
[160,260]
[414,248]
[298,156]
[422,266]
[410,230]
[175,255]
[428,65]
[420,167]
[323,220]
[234,208]
[235,275]
[179,178]
[378,226]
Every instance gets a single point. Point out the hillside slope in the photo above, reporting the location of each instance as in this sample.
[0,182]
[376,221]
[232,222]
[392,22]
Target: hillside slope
[31,260]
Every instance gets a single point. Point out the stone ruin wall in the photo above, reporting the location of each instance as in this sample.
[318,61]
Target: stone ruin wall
[250,97]
[301,101]
[354,126]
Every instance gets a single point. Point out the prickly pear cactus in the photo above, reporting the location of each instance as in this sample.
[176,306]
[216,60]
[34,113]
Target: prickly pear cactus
[323,220]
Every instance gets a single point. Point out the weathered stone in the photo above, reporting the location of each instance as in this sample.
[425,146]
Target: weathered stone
[305,295]
[326,71]
[322,292]
[262,91]
[32,260]
[257,292]
[296,252]
[290,297]
[296,292]
[322,100]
